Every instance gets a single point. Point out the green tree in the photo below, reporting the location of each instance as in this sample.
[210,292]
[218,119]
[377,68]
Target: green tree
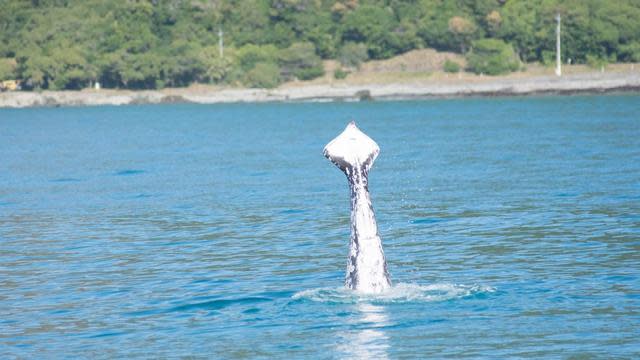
[492,57]
[35,69]
[249,55]
[300,61]
[316,26]
[438,21]
[462,30]
[110,67]
[353,54]
[263,75]
[216,68]
[247,21]
[7,69]
[629,52]
[71,69]
[373,26]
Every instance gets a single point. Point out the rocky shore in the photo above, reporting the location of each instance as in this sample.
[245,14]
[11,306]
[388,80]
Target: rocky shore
[455,87]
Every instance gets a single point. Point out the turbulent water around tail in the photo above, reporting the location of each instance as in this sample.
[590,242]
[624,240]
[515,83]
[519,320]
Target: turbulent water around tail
[399,293]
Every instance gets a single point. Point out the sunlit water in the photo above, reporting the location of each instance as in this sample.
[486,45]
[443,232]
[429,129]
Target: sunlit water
[511,229]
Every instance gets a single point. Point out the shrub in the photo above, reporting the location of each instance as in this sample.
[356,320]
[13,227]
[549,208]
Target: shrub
[492,57]
[263,75]
[7,69]
[630,52]
[596,62]
[451,66]
[548,58]
[353,54]
[309,73]
[250,55]
[301,61]
[340,74]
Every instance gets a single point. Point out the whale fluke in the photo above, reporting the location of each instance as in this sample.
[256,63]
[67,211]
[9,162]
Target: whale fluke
[354,153]
[352,148]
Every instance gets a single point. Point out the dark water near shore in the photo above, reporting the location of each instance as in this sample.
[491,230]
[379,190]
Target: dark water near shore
[511,227]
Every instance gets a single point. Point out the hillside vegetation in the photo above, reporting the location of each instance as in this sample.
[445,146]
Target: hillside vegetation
[146,44]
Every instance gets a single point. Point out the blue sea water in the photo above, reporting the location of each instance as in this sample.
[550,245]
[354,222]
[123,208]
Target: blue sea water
[511,228]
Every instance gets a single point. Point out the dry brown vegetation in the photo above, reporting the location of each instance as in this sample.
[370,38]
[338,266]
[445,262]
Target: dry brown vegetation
[426,66]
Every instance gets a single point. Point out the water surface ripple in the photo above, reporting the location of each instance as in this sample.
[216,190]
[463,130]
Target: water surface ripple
[511,228]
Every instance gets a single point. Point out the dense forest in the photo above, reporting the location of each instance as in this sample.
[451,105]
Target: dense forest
[143,44]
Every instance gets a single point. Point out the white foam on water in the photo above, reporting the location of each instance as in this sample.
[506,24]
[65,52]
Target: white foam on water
[399,293]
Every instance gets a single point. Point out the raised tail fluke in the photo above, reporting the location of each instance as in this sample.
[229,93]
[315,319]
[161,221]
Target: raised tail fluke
[354,153]
[352,149]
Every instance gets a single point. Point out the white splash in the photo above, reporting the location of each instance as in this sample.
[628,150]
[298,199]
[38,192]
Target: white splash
[399,293]
[354,153]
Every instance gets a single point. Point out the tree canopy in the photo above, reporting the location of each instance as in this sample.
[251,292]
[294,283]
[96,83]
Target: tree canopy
[144,44]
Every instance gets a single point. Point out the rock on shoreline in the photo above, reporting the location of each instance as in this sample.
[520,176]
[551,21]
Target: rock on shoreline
[570,84]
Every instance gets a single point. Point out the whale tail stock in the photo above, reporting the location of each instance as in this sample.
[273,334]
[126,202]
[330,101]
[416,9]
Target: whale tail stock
[354,153]
[352,149]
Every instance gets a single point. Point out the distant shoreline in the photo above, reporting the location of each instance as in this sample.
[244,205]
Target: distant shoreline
[595,83]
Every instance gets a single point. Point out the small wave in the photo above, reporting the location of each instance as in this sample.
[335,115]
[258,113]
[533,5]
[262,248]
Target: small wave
[292,211]
[218,304]
[65,179]
[400,293]
[127,172]
[426,221]
[141,196]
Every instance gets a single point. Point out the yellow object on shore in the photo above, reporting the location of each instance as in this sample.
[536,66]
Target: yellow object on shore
[10,85]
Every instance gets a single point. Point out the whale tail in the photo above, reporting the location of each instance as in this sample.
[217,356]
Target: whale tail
[354,153]
[352,149]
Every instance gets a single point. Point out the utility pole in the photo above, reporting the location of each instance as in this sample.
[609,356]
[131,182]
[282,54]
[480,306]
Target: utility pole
[220,42]
[558,60]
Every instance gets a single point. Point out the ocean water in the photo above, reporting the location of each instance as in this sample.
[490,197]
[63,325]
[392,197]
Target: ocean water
[511,228]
